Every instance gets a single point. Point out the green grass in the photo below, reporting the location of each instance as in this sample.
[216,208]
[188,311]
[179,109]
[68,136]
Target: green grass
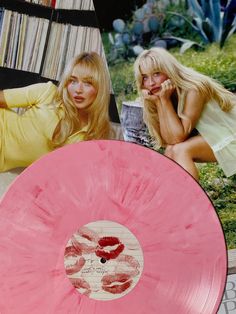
[219,64]
[123,82]
[222,192]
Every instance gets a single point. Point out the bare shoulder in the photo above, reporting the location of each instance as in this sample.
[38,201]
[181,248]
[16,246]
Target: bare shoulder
[194,96]
[193,106]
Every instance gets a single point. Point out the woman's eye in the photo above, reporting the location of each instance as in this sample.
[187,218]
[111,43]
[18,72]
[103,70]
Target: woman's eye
[87,83]
[156,74]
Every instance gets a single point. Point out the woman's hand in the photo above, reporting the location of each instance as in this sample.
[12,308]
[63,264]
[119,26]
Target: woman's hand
[165,92]
[167,89]
[147,95]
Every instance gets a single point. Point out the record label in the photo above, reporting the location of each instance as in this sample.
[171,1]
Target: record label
[103,260]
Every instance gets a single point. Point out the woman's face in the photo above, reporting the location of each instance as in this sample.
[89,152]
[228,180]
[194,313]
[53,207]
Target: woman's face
[152,81]
[80,89]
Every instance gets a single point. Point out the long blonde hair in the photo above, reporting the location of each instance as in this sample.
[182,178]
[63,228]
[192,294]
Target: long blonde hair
[184,78]
[98,127]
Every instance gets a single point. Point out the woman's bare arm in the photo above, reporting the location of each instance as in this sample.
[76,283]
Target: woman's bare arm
[3,103]
[173,128]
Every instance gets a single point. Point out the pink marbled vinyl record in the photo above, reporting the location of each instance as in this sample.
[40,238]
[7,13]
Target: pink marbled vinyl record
[105,227]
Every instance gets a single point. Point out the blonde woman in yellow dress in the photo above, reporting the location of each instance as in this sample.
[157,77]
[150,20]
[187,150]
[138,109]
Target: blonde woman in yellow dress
[55,116]
[177,100]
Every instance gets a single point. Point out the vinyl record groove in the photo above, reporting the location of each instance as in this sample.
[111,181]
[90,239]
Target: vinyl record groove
[109,227]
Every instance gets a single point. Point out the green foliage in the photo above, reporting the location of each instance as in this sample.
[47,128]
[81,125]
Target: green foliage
[123,83]
[210,22]
[229,227]
[177,22]
[168,24]
[151,25]
[222,192]
[106,43]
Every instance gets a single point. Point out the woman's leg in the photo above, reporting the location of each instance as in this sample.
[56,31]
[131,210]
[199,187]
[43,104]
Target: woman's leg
[194,149]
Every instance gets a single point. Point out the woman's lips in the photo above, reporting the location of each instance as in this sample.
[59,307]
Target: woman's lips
[154,90]
[79,99]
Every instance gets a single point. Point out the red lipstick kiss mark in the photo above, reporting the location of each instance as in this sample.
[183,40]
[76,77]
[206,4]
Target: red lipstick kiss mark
[84,248]
[109,241]
[88,234]
[76,267]
[117,283]
[72,251]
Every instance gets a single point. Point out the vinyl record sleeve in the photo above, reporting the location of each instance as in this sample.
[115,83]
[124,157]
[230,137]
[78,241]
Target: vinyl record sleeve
[183,265]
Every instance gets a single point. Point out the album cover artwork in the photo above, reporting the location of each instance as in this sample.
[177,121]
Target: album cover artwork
[47,62]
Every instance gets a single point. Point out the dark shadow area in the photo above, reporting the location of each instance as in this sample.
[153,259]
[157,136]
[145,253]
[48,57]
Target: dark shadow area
[109,10]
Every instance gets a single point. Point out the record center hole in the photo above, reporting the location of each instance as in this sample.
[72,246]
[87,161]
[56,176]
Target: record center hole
[103,260]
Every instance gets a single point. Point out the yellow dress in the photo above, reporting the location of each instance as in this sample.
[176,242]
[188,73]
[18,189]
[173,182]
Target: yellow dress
[24,138]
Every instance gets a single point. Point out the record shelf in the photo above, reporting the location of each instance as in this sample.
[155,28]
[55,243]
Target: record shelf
[37,41]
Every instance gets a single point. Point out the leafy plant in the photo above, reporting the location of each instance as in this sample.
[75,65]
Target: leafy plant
[210,22]
[151,25]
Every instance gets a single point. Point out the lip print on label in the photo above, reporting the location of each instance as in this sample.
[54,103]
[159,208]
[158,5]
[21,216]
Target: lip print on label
[103,260]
